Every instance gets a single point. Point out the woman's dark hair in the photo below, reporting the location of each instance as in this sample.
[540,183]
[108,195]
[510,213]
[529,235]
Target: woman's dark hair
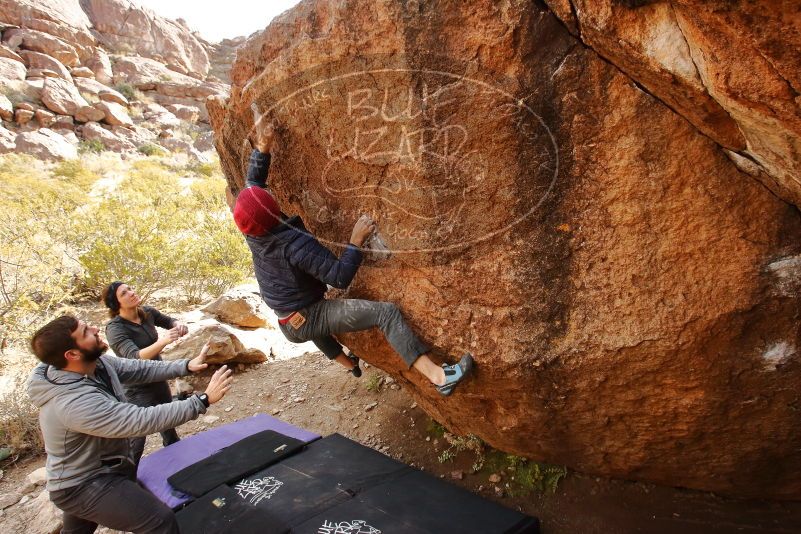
[50,342]
[109,298]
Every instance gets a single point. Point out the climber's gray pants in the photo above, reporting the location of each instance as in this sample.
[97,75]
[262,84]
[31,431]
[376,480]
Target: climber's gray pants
[337,316]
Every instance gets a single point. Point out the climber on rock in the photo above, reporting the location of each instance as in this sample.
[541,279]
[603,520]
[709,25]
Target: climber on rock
[293,268]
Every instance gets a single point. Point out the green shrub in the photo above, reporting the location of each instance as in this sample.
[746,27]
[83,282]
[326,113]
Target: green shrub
[457,444]
[36,270]
[127,90]
[524,476]
[435,429]
[150,149]
[127,242]
[157,234]
[75,174]
[373,384]
[153,230]
[189,129]
[91,98]
[206,170]
[93,146]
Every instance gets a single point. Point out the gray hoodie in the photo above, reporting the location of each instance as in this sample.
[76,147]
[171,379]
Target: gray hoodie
[86,421]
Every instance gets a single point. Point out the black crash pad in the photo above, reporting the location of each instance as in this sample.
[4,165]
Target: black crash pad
[338,485]
[221,511]
[234,462]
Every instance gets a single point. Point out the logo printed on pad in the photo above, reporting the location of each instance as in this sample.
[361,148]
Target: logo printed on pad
[282,447]
[357,526]
[219,502]
[258,489]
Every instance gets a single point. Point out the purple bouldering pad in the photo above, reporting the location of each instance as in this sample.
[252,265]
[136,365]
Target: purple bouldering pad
[156,468]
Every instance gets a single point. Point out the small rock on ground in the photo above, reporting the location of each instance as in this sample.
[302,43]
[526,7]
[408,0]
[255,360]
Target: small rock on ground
[37,477]
[7,499]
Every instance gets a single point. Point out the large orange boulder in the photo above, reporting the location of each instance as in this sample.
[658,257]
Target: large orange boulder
[733,69]
[630,295]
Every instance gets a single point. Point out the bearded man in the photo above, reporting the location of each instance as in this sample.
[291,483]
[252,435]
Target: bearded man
[88,426]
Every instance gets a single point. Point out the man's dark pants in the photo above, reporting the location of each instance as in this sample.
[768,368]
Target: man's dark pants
[151,394]
[116,501]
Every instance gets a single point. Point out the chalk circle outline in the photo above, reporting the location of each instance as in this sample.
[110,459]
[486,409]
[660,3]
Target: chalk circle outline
[519,102]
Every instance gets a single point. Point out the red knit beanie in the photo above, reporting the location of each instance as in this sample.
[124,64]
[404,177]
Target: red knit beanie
[256,212]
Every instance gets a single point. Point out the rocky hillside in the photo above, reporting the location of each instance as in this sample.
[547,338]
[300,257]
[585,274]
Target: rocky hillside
[598,199]
[105,73]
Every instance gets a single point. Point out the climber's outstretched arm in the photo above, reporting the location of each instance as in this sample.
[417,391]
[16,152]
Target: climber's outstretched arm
[263,141]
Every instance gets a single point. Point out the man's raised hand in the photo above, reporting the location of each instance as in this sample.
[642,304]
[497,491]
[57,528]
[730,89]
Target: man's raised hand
[198,363]
[219,384]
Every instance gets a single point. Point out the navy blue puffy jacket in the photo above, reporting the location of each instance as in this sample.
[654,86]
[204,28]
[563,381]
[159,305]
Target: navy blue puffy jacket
[292,267]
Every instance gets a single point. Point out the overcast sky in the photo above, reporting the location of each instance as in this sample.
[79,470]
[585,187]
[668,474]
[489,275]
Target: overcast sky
[219,20]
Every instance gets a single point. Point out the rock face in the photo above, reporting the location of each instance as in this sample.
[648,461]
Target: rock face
[9,499]
[46,144]
[62,97]
[115,114]
[6,52]
[100,64]
[733,69]
[7,141]
[148,74]
[11,70]
[603,259]
[23,116]
[93,87]
[37,60]
[120,23]
[186,113]
[44,43]
[64,39]
[6,108]
[92,131]
[60,18]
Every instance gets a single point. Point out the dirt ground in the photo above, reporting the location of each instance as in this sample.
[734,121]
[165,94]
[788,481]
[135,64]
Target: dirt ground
[312,393]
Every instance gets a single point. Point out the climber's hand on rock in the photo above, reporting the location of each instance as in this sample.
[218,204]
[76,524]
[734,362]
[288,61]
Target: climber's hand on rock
[363,229]
[263,132]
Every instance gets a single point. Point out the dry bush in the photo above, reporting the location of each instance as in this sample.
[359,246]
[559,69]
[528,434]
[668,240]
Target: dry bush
[19,423]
